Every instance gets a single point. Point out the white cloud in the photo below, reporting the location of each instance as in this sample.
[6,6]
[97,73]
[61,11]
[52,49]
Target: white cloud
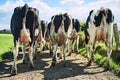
[10,5]
[71,3]
[76,8]
[44,10]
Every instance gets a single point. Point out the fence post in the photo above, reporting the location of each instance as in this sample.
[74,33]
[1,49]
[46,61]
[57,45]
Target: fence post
[116,35]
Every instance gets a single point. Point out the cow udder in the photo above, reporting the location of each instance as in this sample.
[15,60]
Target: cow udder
[24,36]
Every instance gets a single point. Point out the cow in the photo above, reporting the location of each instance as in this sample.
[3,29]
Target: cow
[40,41]
[25,28]
[99,27]
[75,36]
[60,31]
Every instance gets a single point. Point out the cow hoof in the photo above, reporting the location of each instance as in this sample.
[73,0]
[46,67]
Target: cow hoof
[77,52]
[59,55]
[107,68]
[53,64]
[34,57]
[24,62]
[32,66]
[51,53]
[69,54]
[14,72]
[89,63]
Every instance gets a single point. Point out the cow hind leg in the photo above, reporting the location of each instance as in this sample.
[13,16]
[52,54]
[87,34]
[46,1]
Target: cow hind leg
[31,57]
[34,50]
[77,43]
[109,51]
[91,55]
[88,54]
[64,52]
[109,45]
[54,57]
[15,54]
[24,58]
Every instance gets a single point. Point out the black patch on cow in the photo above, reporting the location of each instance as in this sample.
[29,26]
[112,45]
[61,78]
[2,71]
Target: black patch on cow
[76,24]
[24,10]
[86,27]
[98,18]
[32,22]
[67,22]
[43,27]
[110,17]
[48,28]
[57,21]
[17,20]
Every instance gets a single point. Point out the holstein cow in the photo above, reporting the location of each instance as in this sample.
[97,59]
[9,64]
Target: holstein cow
[47,37]
[25,28]
[75,35]
[40,41]
[99,26]
[60,31]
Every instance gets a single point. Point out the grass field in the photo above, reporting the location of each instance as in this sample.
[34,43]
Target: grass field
[6,44]
[100,56]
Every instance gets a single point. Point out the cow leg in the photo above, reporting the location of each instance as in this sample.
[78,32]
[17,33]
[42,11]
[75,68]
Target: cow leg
[91,55]
[77,43]
[64,52]
[15,54]
[23,59]
[51,48]
[70,48]
[34,49]
[31,56]
[109,46]
[73,46]
[54,57]
[88,54]
[109,51]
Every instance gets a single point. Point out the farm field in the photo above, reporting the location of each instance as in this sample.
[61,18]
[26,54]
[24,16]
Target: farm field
[6,44]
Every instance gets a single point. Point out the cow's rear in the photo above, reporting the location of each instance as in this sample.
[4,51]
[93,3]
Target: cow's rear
[60,31]
[99,27]
[25,28]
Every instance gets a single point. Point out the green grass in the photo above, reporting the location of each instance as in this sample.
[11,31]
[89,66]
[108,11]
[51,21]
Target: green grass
[6,44]
[100,56]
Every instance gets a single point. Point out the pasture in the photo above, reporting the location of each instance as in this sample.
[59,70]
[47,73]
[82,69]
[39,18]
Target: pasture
[6,44]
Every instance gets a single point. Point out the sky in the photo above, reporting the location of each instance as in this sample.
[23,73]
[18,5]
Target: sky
[78,9]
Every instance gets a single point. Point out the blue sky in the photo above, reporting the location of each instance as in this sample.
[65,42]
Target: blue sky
[76,8]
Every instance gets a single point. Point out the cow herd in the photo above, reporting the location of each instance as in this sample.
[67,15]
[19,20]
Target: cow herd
[61,32]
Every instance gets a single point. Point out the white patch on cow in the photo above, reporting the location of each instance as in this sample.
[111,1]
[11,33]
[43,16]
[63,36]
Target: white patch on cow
[69,33]
[36,32]
[92,17]
[92,30]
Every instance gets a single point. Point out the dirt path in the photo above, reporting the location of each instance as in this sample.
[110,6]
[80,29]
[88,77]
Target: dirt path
[76,70]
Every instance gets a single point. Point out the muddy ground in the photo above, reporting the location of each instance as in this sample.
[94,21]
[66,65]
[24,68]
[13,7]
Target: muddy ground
[75,69]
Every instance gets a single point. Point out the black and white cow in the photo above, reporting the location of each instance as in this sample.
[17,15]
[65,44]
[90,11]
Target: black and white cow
[25,28]
[75,35]
[60,31]
[47,37]
[41,37]
[99,26]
